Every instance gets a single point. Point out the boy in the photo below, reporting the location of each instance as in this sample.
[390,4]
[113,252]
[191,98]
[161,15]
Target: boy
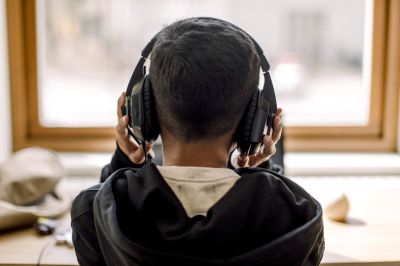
[194,209]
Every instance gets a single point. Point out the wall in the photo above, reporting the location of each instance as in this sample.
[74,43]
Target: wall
[5,121]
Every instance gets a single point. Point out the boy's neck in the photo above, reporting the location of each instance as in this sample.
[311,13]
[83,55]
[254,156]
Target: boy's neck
[204,153]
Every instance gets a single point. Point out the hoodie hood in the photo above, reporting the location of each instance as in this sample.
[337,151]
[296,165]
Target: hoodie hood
[264,219]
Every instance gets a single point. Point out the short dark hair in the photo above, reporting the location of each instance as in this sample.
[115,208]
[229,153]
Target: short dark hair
[203,74]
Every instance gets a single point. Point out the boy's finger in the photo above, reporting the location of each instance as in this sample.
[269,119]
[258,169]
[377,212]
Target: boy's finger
[278,129]
[121,126]
[121,102]
[149,146]
[279,112]
[265,151]
[267,142]
[242,160]
[133,145]
[137,157]
[269,148]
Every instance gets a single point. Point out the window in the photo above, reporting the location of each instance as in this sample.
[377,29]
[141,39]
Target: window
[329,66]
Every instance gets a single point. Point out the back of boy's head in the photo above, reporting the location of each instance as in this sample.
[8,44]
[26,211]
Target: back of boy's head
[203,74]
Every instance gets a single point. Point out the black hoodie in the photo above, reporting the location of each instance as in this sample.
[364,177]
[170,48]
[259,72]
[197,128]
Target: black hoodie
[134,218]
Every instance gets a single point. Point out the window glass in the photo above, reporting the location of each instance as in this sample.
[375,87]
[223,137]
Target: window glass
[318,51]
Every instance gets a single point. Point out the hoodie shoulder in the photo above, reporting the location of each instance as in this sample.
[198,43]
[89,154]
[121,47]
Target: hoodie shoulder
[271,176]
[83,203]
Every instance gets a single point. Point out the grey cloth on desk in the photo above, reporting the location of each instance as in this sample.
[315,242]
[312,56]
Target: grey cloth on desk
[27,188]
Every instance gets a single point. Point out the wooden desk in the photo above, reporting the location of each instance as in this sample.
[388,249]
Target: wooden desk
[23,247]
[372,234]
[371,238]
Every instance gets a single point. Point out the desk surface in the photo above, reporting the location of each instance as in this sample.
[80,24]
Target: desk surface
[372,236]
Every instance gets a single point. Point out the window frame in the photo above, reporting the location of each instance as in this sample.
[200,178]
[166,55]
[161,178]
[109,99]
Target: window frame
[379,135]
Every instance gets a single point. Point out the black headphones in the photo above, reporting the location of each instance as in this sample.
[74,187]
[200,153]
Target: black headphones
[143,122]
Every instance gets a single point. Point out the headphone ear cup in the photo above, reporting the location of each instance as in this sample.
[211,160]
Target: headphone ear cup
[246,125]
[150,127]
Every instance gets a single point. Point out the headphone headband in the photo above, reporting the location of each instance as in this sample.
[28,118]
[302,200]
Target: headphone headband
[138,73]
[142,117]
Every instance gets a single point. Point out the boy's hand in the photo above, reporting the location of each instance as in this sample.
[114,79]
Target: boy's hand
[128,145]
[267,148]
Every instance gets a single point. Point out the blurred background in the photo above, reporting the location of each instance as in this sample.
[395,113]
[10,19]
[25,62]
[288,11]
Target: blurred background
[315,48]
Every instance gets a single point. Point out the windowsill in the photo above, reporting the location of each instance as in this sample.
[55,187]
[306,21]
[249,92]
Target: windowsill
[305,164]
[297,164]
